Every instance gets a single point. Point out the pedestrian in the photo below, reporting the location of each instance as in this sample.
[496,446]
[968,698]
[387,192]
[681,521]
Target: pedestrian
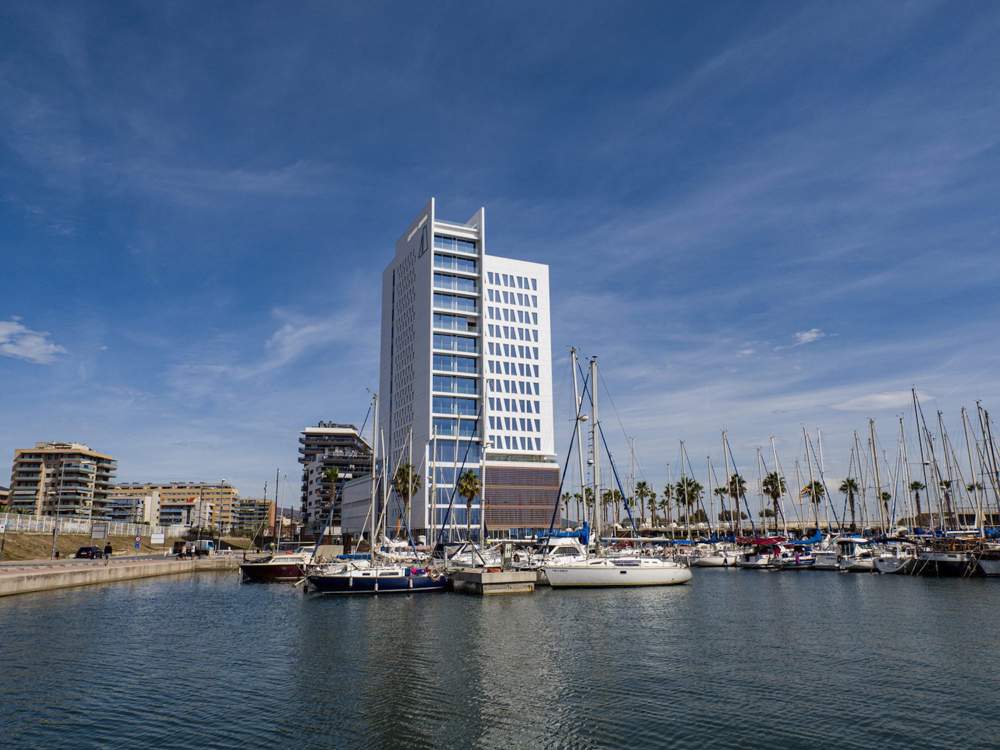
[107,551]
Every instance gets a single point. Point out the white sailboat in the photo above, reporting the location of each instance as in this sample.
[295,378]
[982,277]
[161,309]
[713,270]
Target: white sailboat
[605,571]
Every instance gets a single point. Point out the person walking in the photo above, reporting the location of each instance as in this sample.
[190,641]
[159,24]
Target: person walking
[107,551]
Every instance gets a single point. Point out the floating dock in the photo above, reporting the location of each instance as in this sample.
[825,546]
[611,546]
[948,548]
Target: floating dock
[490,582]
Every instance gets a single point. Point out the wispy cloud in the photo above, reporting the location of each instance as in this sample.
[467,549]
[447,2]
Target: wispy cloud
[808,337]
[874,402]
[20,342]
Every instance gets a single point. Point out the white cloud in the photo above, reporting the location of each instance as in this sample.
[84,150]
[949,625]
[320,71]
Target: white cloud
[808,337]
[20,342]
[879,401]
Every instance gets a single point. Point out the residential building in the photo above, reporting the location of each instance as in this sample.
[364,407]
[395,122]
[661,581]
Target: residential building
[466,361]
[193,512]
[4,496]
[255,513]
[61,479]
[327,446]
[222,497]
[134,507]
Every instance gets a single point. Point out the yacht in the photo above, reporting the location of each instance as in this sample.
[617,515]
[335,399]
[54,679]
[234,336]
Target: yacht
[377,579]
[896,558]
[720,555]
[279,567]
[617,571]
[760,553]
[857,555]
[794,557]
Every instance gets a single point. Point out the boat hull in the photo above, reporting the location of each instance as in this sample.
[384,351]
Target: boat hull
[894,566]
[990,566]
[591,576]
[269,573]
[347,583]
[947,565]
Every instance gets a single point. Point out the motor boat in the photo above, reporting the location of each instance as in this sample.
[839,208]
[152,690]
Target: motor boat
[759,553]
[279,567]
[856,554]
[896,558]
[794,557]
[617,571]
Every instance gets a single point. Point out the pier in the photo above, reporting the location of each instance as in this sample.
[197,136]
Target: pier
[486,582]
[43,575]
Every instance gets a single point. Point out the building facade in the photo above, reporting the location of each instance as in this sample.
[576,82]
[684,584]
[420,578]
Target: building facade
[255,514]
[466,377]
[328,446]
[134,507]
[223,499]
[61,479]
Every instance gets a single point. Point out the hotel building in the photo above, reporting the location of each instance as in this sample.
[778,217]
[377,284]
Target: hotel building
[466,366]
[61,479]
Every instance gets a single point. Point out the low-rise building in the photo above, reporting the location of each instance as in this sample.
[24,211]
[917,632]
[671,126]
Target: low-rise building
[61,479]
[187,511]
[222,497]
[4,496]
[134,507]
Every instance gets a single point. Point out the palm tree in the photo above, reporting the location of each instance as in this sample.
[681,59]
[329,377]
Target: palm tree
[849,488]
[815,492]
[642,493]
[737,489]
[721,493]
[468,487]
[666,502]
[651,502]
[946,489]
[332,475]
[885,497]
[916,488]
[689,492]
[406,482]
[566,497]
[774,487]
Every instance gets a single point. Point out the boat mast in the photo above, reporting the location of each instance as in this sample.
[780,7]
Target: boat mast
[822,477]
[812,485]
[711,494]
[781,481]
[760,495]
[595,456]
[906,470]
[949,493]
[371,531]
[432,521]
[878,479]
[277,511]
[582,509]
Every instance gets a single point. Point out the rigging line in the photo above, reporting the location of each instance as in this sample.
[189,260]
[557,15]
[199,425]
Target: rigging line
[458,474]
[611,460]
[569,453]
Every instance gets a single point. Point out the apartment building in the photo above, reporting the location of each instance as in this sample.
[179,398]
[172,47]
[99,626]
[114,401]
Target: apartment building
[61,479]
[327,446]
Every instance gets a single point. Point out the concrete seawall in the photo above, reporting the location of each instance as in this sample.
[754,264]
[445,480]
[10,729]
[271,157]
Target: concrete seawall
[26,582]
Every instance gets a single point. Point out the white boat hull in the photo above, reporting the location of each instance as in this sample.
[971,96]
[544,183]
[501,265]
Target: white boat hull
[894,565]
[604,574]
[714,561]
[990,567]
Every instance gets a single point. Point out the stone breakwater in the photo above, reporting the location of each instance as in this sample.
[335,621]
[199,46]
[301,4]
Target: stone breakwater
[26,580]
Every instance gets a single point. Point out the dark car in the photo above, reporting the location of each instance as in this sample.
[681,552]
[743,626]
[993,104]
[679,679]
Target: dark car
[89,553]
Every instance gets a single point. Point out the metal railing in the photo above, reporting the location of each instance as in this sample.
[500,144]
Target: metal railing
[19,522]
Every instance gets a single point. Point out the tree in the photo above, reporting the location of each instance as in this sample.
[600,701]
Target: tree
[732,515]
[566,497]
[666,502]
[468,487]
[651,501]
[946,489]
[814,491]
[849,488]
[767,513]
[642,493]
[406,482]
[774,487]
[737,489]
[885,497]
[688,494]
[916,488]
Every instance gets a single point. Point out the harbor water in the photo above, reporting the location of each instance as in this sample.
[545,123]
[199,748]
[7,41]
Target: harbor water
[736,659]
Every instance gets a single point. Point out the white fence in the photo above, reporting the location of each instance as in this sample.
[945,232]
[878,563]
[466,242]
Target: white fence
[45,524]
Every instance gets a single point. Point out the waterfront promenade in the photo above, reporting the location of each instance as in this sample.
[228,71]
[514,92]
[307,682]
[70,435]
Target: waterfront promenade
[29,576]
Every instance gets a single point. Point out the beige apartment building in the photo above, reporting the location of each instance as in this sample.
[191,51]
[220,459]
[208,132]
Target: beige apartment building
[207,504]
[61,479]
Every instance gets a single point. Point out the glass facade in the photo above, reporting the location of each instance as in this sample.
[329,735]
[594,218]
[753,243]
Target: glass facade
[456,343]
[451,302]
[452,384]
[455,323]
[449,405]
[454,244]
[452,263]
[450,363]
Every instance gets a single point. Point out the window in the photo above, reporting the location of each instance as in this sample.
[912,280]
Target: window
[449,363]
[457,283]
[450,302]
[451,263]
[454,244]
[451,384]
[453,322]
[445,427]
[449,405]
[456,343]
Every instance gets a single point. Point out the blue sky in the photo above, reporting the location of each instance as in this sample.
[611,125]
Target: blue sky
[759,215]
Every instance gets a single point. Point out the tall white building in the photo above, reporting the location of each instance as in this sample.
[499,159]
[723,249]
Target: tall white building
[466,362]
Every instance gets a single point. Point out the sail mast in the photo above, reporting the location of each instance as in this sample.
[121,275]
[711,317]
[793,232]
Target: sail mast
[595,456]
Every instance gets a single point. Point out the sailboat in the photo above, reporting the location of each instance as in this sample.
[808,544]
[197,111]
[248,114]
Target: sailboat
[374,576]
[604,571]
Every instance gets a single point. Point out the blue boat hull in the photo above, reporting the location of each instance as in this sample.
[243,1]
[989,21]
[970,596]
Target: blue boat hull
[348,584]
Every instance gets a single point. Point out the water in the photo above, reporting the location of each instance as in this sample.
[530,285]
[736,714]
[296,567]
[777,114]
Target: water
[737,659]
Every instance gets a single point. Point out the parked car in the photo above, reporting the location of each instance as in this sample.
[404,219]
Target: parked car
[89,553]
